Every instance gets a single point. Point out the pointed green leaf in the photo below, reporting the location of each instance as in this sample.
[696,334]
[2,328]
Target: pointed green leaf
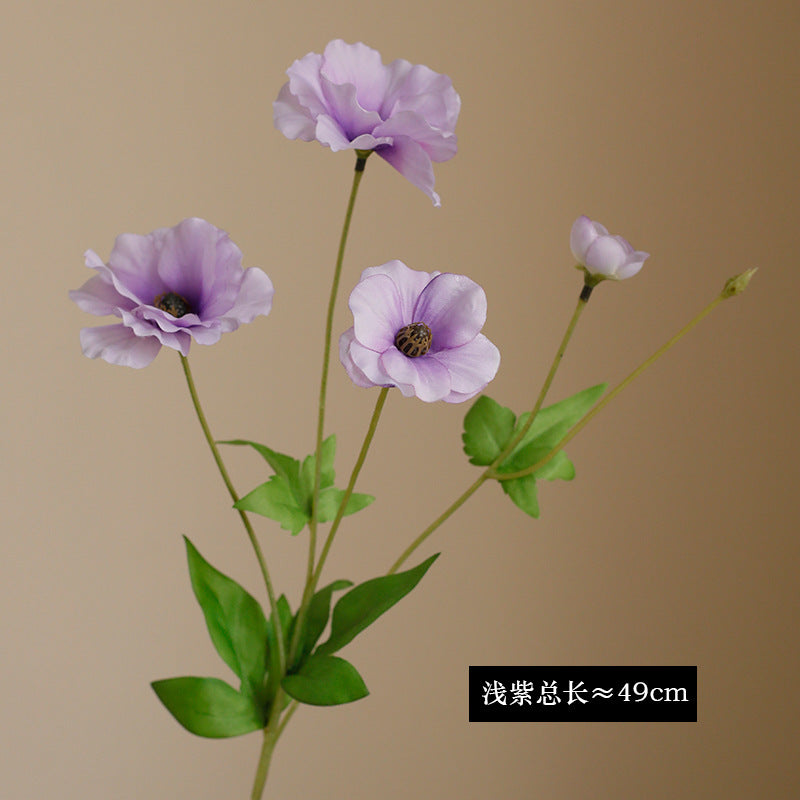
[362,605]
[330,498]
[487,429]
[235,621]
[287,467]
[319,610]
[522,492]
[274,499]
[209,707]
[327,475]
[325,681]
[554,421]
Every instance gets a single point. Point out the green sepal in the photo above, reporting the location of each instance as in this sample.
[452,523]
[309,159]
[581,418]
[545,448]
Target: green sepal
[274,499]
[325,681]
[361,606]
[235,621]
[209,707]
[319,611]
[330,499]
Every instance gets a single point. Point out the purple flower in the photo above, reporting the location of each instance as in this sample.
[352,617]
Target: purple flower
[347,99]
[601,255]
[420,332]
[169,287]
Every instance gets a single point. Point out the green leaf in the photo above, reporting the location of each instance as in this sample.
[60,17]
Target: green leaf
[285,466]
[554,421]
[274,499]
[325,681]
[361,606]
[330,498]
[327,475]
[319,610]
[235,621]
[209,707]
[487,429]
[522,492]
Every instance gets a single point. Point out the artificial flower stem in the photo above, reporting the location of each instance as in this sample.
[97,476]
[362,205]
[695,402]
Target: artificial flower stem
[587,418]
[438,521]
[582,301]
[271,734]
[235,497]
[373,424]
[361,160]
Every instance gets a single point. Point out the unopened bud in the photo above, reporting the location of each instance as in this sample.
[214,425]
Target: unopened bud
[737,284]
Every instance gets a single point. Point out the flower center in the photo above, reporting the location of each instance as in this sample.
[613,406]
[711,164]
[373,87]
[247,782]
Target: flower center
[414,340]
[173,304]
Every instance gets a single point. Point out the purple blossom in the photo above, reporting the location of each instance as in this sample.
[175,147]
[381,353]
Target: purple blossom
[601,255]
[420,332]
[169,287]
[347,99]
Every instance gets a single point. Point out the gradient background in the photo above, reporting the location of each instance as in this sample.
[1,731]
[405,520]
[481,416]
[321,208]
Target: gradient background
[675,124]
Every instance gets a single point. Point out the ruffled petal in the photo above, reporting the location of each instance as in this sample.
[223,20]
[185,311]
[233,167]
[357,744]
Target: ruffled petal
[134,265]
[471,366]
[254,299]
[291,118]
[369,362]
[354,372]
[377,312]
[118,344]
[98,296]
[345,109]
[429,379]
[141,326]
[408,83]
[304,83]
[357,65]
[413,163]
[454,308]
[439,146]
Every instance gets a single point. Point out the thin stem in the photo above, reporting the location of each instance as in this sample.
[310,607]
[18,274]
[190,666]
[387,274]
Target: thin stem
[235,497]
[489,471]
[520,435]
[271,734]
[587,418]
[373,424]
[361,160]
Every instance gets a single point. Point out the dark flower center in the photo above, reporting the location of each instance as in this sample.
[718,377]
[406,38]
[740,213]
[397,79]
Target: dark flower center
[173,304]
[414,340]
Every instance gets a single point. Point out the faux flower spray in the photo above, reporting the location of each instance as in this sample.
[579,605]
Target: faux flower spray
[418,332]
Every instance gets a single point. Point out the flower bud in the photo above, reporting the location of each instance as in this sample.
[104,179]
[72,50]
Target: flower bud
[737,284]
[602,256]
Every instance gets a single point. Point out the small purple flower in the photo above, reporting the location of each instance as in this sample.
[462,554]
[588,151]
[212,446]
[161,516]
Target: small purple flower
[169,287]
[347,99]
[601,255]
[420,332]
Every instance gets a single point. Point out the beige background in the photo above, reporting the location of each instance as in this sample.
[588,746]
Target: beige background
[674,123]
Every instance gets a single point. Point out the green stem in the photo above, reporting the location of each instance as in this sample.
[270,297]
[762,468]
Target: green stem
[235,497]
[489,471]
[271,734]
[361,160]
[373,424]
[520,435]
[587,418]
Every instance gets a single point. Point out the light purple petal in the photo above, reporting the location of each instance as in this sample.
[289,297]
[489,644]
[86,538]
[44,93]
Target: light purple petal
[291,118]
[438,145]
[408,282]
[255,298]
[360,66]
[369,362]
[354,372]
[410,88]
[454,308]
[118,344]
[605,256]
[98,296]
[377,312]
[304,83]
[331,134]
[413,163]
[471,366]
[584,232]
[634,263]
[344,108]
[177,340]
[134,265]
[430,379]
